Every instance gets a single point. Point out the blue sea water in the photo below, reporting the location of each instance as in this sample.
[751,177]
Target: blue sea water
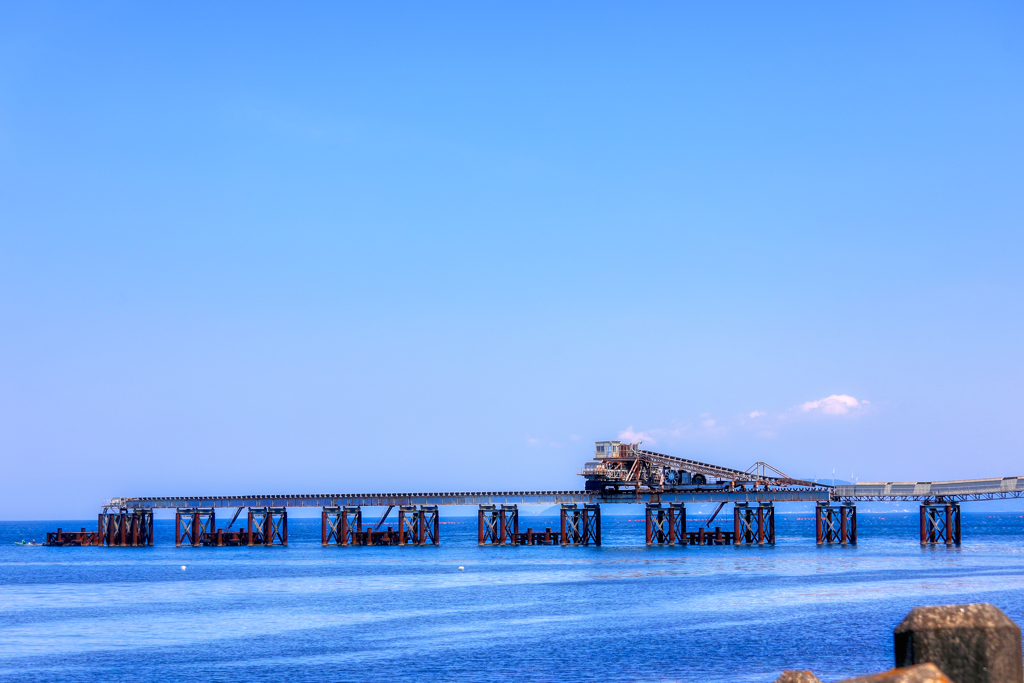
[619,612]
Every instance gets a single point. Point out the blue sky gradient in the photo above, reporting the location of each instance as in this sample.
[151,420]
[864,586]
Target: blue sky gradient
[255,248]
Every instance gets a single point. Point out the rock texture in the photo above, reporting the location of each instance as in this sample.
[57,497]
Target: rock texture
[797,677]
[921,673]
[969,643]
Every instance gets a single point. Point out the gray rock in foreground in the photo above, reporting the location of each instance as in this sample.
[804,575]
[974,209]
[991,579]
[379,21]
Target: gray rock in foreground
[970,643]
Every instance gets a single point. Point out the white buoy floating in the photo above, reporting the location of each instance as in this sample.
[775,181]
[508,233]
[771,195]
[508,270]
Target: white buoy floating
[182,567]
[461,568]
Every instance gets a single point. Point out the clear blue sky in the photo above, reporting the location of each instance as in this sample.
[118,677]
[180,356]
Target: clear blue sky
[263,248]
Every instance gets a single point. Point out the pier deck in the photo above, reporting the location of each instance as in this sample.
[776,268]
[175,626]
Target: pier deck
[959,490]
[471,498]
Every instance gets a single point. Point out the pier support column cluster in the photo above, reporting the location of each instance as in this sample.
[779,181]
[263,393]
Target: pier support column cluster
[835,524]
[341,525]
[667,526]
[190,524]
[198,527]
[418,527]
[344,526]
[126,528]
[940,523]
[498,525]
[580,526]
[754,525]
[268,526]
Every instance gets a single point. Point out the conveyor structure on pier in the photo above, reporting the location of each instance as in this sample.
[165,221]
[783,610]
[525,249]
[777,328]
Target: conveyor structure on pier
[620,474]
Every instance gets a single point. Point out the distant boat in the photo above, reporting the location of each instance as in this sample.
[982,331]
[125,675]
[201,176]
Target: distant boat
[26,543]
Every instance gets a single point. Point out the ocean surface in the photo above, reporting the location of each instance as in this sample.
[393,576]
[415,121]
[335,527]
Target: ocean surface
[619,612]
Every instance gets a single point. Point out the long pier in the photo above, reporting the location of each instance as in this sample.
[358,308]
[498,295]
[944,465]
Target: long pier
[128,521]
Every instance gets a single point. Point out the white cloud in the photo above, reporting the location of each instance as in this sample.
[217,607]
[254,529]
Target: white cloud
[631,436]
[757,413]
[532,442]
[836,404]
[709,423]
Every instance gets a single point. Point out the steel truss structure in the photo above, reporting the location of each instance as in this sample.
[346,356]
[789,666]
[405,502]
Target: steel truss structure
[580,526]
[835,524]
[341,525]
[627,465]
[940,523]
[198,527]
[754,525]
[498,525]
[126,528]
[665,526]
[268,526]
[190,525]
[418,527]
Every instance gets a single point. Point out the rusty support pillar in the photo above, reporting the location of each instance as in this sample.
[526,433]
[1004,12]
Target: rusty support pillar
[568,515]
[652,522]
[581,526]
[490,526]
[195,528]
[677,513]
[430,525]
[767,522]
[657,524]
[267,526]
[737,526]
[403,511]
[509,524]
[835,525]
[332,526]
[940,523]
[192,526]
[351,525]
[647,521]
[817,524]
[485,524]
[949,525]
